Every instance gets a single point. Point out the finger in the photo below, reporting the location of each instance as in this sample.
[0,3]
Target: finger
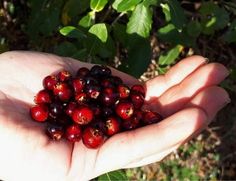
[75,65]
[130,147]
[177,96]
[158,85]
[210,100]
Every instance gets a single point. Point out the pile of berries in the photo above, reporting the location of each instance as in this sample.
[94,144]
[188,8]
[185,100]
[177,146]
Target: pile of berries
[92,106]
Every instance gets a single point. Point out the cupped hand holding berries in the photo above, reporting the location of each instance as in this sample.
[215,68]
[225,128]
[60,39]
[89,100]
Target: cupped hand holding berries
[188,97]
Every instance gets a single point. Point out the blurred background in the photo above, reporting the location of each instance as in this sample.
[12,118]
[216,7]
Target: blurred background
[143,38]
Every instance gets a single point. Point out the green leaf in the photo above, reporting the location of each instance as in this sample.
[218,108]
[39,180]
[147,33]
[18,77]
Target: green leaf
[139,56]
[98,5]
[65,49]
[126,5]
[213,17]
[166,11]
[178,17]
[148,3]
[169,57]
[140,21]
[100,31]
[72,32]
[194,28]
[72,9]
[230,35]
[113,176]
[87,20]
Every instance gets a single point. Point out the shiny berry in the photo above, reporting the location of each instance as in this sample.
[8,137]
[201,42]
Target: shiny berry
[93,91]
[78,84]
[123,91]
[98,70]
[108,96]
[42,96]
[139,89]
[55,109]
[137,99]
[150,117]
[70,108]
[82,72]
[124,110]
[81,98]
[62,91]
[112,126]
[73,133]
[64,76]
[89,80]
[39,112]
[55,132]
[82,115]
[133,122]
[92,137]
[49,82]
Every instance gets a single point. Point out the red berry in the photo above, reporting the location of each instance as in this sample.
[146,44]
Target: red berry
[92,137]
[64,76]
[133,122]
[39,112]
[123,91]
[49,82]
[112,126]
[70,108]
[150,117]
[107,83]
[42,96]
[73,133]
[62,91]
[124,109]
[55,132]
[82,115]
[81,98]
[139,89]
[108,96]
[82,72]
[55,109]
[100,70]
[137,100]
[78,84]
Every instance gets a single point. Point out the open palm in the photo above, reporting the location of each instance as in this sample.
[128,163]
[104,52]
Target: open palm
[187,96]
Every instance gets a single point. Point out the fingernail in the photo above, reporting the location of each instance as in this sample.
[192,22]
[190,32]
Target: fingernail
[206,60]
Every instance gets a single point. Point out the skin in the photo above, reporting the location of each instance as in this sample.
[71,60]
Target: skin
[188,97]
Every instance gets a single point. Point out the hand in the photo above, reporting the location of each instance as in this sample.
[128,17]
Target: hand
[187,96]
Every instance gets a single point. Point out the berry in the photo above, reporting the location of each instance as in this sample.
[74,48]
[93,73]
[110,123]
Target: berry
[124,110]
[64,76]
[99,124]
[116,80]
[78,85]
[82,115]
[81,98]
[96,108]
[137,100]
[139,89]
[55,109]
[39,112]
[123,91]
[73,133]
[133,122]
[63,120]
[91,80]
[55,132]
[70,108]
[93,91]
[42,96]
[107,111]
[98,70]
[62,91]
[82,72]
[108,96]
[49,82]
[92,137]
[107,83]
[112,126]
[150,117]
